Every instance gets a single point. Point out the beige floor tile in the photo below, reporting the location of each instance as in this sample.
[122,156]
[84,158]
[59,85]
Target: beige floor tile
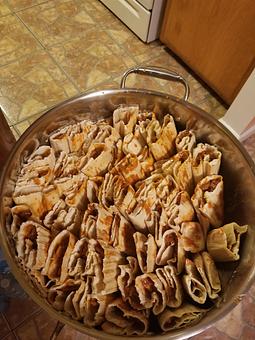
[111,84]
[133,46]
[30,85]
[211,334]
[231,324]
[57,21]
[34,117]
[4,9]
[17,5]
[15,40]
[91,59]
[101,14]
[27,331]
[248,333]
[212,106]
[166,60]
[69,333]
[45,325]
[122,35]
[19,128]
[22,126]
[19,310]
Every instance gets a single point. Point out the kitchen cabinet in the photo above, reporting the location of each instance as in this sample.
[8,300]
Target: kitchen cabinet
[215,38]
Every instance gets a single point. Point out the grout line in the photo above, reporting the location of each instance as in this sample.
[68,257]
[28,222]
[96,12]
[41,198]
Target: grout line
[108,33]
[28,28]
[7,336]
[70,78]
[25,8]
[45,48]
[28,318]
[30,117]
[49,55]
[36,326]
[16,337]
[6,321]
[19,58]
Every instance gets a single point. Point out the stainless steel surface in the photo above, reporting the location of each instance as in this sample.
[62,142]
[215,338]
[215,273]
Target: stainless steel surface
[237,168]
[157,72]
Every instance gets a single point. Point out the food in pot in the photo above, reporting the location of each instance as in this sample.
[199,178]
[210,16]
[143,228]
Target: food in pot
[118,223]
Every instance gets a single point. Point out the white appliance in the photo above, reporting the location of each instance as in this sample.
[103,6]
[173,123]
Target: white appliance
[143,17]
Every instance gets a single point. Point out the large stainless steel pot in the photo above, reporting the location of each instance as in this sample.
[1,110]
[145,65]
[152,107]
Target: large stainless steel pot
[237,168]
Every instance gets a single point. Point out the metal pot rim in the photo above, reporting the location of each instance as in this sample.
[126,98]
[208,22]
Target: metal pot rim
[180,334]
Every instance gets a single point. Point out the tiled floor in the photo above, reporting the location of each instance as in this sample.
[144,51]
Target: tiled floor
[53,50]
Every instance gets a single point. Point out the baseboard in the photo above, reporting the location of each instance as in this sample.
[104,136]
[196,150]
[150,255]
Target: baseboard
[247,133]
[230,128]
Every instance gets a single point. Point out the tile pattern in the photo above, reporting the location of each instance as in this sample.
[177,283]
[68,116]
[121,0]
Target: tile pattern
[52,50]
[17,5]
[4,9]
[31,84]
[15,40]
[57,21]
[92,58]
[18,311]
[4,327]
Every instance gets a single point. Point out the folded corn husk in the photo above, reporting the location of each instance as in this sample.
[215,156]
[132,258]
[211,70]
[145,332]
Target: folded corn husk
[126,282]
[77,260]
[58,293]
[124,119]
[161,139]
[60,249]
[130,168]
[223,243]
[185,140]
[112,258]
[181,317]
[180,167]
[206,161]
[193,238]
[171,250]
[20,213]
[172,285]
[146,251]
[123,320]
[208,202]
[32,244]
[180,210]
[93,272]
[208,271]
[193,283]
[62,217]
[151,292]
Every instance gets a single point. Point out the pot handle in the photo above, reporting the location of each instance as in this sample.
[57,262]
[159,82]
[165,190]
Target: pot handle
[157,72]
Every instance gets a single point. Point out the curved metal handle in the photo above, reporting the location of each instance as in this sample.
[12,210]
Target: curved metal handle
[157,72]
